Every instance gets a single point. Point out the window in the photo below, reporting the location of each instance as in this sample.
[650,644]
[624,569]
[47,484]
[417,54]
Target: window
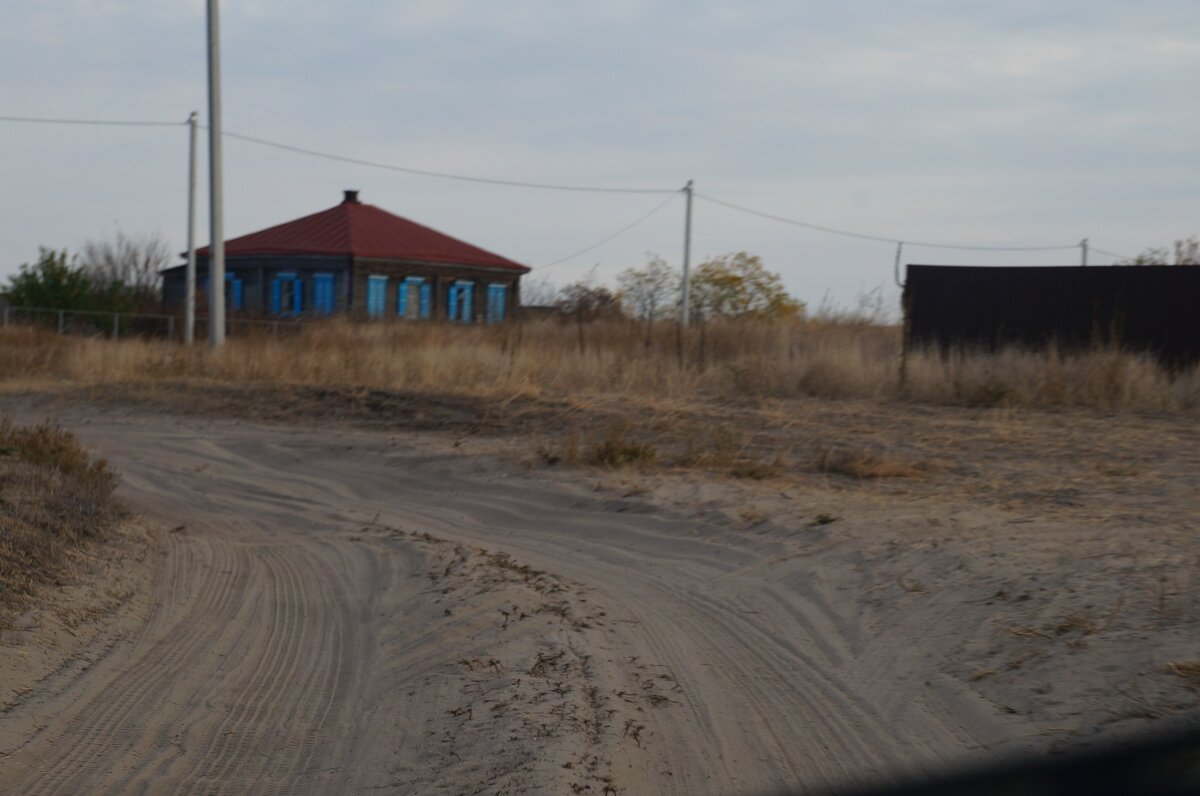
[496,303]
[234,300]
[414,298]
[458,302]
[234,297]
[287,294]
[376,295]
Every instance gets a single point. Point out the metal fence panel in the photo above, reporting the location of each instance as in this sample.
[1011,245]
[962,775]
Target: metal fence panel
[1141,308]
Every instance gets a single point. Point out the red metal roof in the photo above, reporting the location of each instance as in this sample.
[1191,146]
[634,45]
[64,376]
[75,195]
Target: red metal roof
[361,230]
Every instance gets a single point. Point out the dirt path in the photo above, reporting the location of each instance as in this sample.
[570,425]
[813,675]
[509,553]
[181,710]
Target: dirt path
[348,612]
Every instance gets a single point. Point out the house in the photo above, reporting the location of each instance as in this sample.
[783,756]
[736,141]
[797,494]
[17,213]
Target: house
[360,259]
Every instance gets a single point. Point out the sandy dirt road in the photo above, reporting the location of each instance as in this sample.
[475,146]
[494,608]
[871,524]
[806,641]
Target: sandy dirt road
[354,612]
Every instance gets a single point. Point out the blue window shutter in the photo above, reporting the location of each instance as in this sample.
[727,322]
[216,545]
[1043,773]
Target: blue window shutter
[501,293]
[276,296]
[452,303]
[468,310]
[426,299]
[323,293]
[236,297]
[402,298]
[298,292]
[376,295]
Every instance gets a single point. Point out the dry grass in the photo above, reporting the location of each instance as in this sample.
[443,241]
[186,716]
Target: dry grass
[865,463]
[829,359]
[53,498]
[1188,670]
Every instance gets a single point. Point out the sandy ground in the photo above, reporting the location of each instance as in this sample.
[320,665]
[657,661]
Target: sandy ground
[332,610]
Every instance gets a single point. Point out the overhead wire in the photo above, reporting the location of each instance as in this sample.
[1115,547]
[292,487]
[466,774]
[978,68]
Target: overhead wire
[441,174]
[671,193]
[876,238]
[1110,254]
[95,122]
[619,232]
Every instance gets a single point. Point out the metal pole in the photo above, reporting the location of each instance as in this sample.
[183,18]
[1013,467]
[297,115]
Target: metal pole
[1083,246]
[216,260]
[61,322]
[116,325]
[189,300]
[896,266]
[687,255]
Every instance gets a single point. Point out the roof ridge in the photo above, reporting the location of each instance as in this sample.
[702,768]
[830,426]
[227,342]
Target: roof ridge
[356,229]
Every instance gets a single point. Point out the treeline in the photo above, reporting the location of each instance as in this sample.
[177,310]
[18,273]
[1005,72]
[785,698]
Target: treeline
[735,285]
[121,275]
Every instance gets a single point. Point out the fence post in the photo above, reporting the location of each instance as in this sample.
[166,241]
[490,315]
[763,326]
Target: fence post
[61,323]
[170,327]
[6,316]
[116,326]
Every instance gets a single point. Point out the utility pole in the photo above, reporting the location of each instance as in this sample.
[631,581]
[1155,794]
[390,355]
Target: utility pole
[189,302]
[1083,246]
[216,248]
[687,254]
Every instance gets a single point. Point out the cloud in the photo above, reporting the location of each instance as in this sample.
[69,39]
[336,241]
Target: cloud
[1020,121]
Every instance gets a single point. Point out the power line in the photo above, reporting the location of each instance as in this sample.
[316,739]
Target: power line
[439,174]
[620,231]
[346,159]
[549,186]
[1111,254]
[879,238]
[94,122]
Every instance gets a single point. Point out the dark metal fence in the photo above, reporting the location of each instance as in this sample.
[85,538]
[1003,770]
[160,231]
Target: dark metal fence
[1140,308]
[120,325]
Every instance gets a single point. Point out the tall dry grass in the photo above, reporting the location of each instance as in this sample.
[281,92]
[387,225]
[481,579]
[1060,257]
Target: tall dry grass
[824,358]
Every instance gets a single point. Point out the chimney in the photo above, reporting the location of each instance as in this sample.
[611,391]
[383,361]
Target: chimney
[351,197]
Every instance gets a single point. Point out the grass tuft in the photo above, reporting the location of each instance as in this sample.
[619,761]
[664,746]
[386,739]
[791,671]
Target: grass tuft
[53,499]
[614,449]
[750,359]
[863,463]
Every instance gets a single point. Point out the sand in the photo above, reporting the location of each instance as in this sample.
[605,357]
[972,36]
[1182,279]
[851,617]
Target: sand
[331,610]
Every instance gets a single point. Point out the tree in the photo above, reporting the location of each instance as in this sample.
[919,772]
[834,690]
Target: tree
[1182,252]
[125,271]
[587,301]
[53,282]
[539,292]
[648,292]
[739,286]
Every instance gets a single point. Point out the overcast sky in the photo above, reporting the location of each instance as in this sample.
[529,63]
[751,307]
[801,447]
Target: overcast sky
[1026,122]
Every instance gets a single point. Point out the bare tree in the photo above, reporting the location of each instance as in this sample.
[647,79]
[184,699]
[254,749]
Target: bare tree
[127,267]
[646,292]
[1182,252]
[538,292]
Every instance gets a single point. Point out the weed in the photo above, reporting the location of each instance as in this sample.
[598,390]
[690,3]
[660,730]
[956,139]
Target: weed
[864,463]
[53,498]
[616,450]
[831,357]
[757,469]
[1189,670]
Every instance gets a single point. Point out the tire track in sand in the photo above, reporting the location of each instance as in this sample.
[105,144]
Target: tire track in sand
[113,721]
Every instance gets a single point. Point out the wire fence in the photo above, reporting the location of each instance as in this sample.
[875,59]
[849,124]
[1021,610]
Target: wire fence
[122,325]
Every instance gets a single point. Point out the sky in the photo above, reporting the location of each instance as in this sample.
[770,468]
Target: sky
[1024,123]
